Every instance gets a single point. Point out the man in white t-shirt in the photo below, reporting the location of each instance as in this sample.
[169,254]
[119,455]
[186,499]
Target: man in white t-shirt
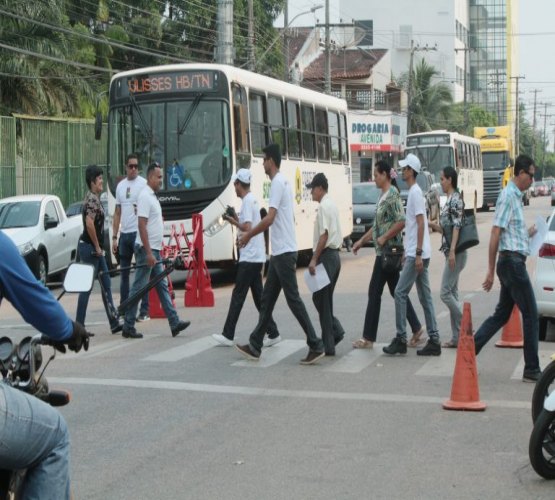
[147,255]
[127,192]
[415,267]
[283,262]
[251,259]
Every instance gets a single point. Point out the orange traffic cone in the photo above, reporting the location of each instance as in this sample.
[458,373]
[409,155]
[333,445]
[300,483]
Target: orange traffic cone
[465,394]
[512,331]
[155,309]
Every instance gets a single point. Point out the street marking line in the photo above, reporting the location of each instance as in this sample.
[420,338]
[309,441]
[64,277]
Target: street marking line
[468,296]
[545,359]
[442,314]
[182,351]
[439,366]
[273,355]
[356,360]
[96,350]
[282,393]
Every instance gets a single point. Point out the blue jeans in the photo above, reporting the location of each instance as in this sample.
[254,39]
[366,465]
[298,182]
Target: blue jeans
[142,276]
[34,436]
[282,274]
[86,255]
[515,289]
[126,247]
[408,277]
[450,293]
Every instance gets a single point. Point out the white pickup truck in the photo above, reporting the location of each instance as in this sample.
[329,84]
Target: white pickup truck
[44,235]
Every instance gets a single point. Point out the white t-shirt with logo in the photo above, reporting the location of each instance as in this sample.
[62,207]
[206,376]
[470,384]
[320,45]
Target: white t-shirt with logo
[255,250]
[416,205]
[149,207]
[127,193]
[282,232]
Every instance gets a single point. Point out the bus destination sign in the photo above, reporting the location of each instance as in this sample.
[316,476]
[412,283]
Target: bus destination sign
[181,81]
[427,140]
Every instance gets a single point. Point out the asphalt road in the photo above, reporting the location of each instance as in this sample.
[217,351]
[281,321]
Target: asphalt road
[180,418]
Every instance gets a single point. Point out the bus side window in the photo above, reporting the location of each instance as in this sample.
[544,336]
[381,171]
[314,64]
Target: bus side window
[309,138]
[322,135]
[333,124]
[258,121]
[293,129]
[240,123]
[344,142]
[277,123]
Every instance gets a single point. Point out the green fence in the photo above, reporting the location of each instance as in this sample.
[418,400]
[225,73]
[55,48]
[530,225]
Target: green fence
[52,155]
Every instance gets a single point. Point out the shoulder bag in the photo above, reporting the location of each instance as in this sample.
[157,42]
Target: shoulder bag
[392,257]
[468,233]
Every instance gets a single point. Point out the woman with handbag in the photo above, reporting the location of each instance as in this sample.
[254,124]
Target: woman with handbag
[451,219]
[387,233]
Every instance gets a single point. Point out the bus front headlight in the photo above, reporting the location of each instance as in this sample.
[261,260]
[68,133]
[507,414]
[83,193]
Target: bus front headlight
[215,227]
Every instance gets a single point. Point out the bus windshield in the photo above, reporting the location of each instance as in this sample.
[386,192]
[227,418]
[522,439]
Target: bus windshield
[496,161]
[188,138]
[434,158]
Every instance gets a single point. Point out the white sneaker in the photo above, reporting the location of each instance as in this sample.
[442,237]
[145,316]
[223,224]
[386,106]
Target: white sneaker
[268,342]
[221,340]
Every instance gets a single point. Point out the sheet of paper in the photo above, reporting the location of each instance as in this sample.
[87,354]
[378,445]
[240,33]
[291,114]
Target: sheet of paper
[537,240]
[318,281]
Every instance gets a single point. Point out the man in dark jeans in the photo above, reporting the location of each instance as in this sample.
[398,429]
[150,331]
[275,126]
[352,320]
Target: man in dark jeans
[251,260]
[125,218]
[510,236]
[327,243]
[283,263]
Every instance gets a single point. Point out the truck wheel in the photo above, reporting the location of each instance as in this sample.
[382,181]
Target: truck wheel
[42,270]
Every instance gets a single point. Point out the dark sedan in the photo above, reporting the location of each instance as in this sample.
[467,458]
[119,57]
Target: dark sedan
[365,200]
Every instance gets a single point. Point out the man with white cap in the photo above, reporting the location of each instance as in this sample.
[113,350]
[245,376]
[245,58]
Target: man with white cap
[415,267]
[251,259]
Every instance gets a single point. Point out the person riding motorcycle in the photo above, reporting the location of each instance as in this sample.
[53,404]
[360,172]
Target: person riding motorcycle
[33,435]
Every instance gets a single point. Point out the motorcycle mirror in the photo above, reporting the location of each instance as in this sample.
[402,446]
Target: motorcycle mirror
[79,278]
[6,349]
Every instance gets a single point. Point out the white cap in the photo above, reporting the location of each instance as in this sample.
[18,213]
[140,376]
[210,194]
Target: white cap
[243,175]
[411,161]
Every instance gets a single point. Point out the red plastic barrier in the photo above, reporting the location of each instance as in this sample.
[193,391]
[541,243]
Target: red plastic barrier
[198,289]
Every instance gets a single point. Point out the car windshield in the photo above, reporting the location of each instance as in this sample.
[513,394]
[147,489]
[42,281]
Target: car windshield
[366,194]
[19,214]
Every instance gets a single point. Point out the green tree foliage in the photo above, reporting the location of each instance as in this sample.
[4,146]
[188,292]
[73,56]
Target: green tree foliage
[430,104]
[477,117]
[126,34]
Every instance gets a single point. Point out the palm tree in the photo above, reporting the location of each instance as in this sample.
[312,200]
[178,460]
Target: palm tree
[430,102]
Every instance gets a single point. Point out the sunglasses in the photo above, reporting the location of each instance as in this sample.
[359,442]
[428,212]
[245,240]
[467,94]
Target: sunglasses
[133,165]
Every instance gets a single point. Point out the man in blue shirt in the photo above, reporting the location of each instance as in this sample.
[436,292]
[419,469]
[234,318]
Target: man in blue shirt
[510,237]
[34,435]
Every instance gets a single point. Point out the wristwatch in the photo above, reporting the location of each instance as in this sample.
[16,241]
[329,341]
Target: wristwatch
[114,237]
[419,252]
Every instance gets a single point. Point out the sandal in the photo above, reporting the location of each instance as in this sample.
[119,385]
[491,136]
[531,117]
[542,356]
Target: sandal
[363,344]
[449,345]
[415,340]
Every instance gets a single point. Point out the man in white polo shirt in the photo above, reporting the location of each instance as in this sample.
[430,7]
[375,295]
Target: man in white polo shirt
[415,267]
[283,263]
[127,192]
[251,259]
[327,242]
[147,254]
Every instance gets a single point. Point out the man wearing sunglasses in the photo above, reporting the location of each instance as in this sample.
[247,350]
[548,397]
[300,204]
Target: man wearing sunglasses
[33,435]
[127,192]
[510,238]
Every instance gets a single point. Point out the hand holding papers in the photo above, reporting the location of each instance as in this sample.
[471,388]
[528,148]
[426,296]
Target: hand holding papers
[318,281]
[537,240]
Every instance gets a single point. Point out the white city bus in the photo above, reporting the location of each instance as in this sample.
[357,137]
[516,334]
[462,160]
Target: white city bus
[439,149]
[202,122]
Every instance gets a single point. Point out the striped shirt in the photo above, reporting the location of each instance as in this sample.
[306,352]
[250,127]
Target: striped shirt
[509,216]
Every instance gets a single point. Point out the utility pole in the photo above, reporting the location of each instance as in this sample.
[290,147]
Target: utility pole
[545,116]
[413,49]
[224,46]
[534,123]
[286,75]
[517,118]
[250,39]
[327,77]
[465,107]
[498,92]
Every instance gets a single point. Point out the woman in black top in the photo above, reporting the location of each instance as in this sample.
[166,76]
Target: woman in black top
[90,251]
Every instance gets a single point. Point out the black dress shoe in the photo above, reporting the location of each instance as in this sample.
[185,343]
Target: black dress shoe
[117,328]
[180,327]
[132,334]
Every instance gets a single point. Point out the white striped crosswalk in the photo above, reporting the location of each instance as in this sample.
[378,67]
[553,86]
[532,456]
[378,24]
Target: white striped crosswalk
[352,362]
